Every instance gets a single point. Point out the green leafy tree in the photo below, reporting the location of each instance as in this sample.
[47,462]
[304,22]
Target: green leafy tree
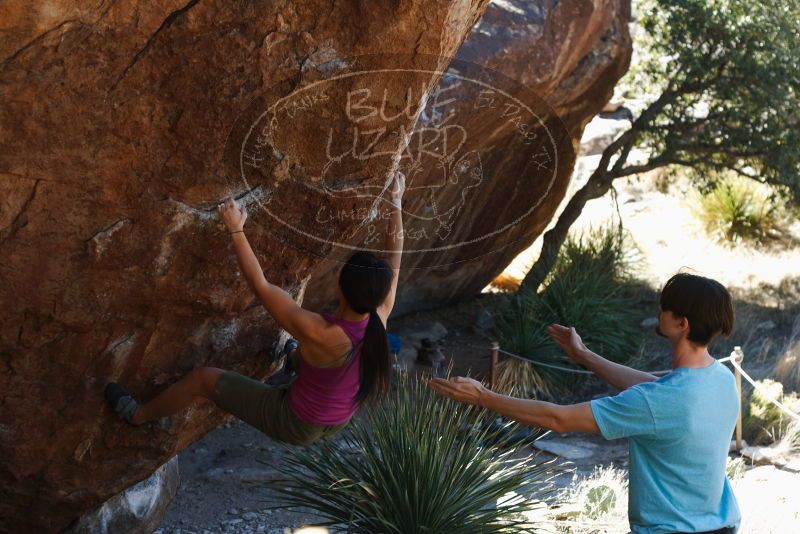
[727,80]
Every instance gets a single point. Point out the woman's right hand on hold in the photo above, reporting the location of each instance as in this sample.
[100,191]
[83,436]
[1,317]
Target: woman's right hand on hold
[569,341]
[233,215]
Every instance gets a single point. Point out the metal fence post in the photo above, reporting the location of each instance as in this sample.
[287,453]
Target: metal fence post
[738,356]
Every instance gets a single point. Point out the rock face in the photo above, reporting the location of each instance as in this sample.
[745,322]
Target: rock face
[122,125]
[138,509]
[563,59]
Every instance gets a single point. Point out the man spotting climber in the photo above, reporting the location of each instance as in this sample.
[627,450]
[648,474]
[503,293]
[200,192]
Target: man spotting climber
[679,426]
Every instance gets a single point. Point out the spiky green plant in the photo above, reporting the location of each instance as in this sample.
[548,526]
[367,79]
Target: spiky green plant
[598,501]
[590,289]
[735,467]
[418,464]
[765,423]
[736,210]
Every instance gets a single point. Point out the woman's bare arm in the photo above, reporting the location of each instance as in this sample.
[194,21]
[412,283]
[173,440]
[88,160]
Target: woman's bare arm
[394,243]
[300,323]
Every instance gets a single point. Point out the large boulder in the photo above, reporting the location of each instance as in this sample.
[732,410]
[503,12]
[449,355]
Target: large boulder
[122,125]
[562,60]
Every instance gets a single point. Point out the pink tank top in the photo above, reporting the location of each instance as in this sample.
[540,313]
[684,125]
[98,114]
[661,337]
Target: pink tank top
[326,395]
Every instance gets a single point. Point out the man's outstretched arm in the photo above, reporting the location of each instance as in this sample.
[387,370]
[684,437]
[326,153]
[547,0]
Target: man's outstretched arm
[569,418]
[618,376]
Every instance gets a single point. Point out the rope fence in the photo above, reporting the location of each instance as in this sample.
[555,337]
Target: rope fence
[735,360]
[579,371]
[763,392]
[542,364]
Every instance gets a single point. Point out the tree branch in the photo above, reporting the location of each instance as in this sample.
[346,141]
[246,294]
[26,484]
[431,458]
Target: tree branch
[601,179]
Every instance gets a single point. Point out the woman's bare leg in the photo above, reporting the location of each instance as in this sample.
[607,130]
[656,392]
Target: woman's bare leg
[199,382]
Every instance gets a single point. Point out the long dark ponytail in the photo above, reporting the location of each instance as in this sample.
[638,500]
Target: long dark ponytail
[365,281]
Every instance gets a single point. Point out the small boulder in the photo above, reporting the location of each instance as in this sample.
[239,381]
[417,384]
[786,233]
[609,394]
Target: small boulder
[759,455]
[435,332]
[569,449]
[138,509]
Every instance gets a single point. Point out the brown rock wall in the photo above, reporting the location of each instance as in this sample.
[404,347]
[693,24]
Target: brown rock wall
[114,123]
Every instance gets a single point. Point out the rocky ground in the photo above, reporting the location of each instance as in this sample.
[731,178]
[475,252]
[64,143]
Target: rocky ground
[226,480]
[225,485]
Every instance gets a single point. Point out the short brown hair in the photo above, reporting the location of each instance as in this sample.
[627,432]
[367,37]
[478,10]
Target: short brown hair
[704,302]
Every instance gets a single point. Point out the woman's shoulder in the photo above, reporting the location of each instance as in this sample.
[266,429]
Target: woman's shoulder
[327,344]
[321,327]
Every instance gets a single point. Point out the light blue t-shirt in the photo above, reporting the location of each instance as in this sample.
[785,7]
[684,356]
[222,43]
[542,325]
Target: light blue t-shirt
[680,429]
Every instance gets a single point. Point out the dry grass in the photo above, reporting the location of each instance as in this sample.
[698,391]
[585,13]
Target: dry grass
[520,379]
[758,347]
[789,442]
[737,210]
[787,369]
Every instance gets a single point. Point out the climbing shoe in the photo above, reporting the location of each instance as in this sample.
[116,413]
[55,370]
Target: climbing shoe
[121,401]
[284,375]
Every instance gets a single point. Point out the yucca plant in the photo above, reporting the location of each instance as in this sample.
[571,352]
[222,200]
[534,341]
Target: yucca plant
[595,502]
[738,210]
[520,378]
[418,463]
[589,288]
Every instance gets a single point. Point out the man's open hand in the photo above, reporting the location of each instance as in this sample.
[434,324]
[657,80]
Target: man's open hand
[460,389]
[569,340]
[233,215]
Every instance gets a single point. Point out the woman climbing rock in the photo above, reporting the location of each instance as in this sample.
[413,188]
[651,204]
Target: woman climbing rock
[343,358]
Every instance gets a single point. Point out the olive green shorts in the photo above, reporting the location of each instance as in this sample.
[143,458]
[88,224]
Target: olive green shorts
[267,409]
